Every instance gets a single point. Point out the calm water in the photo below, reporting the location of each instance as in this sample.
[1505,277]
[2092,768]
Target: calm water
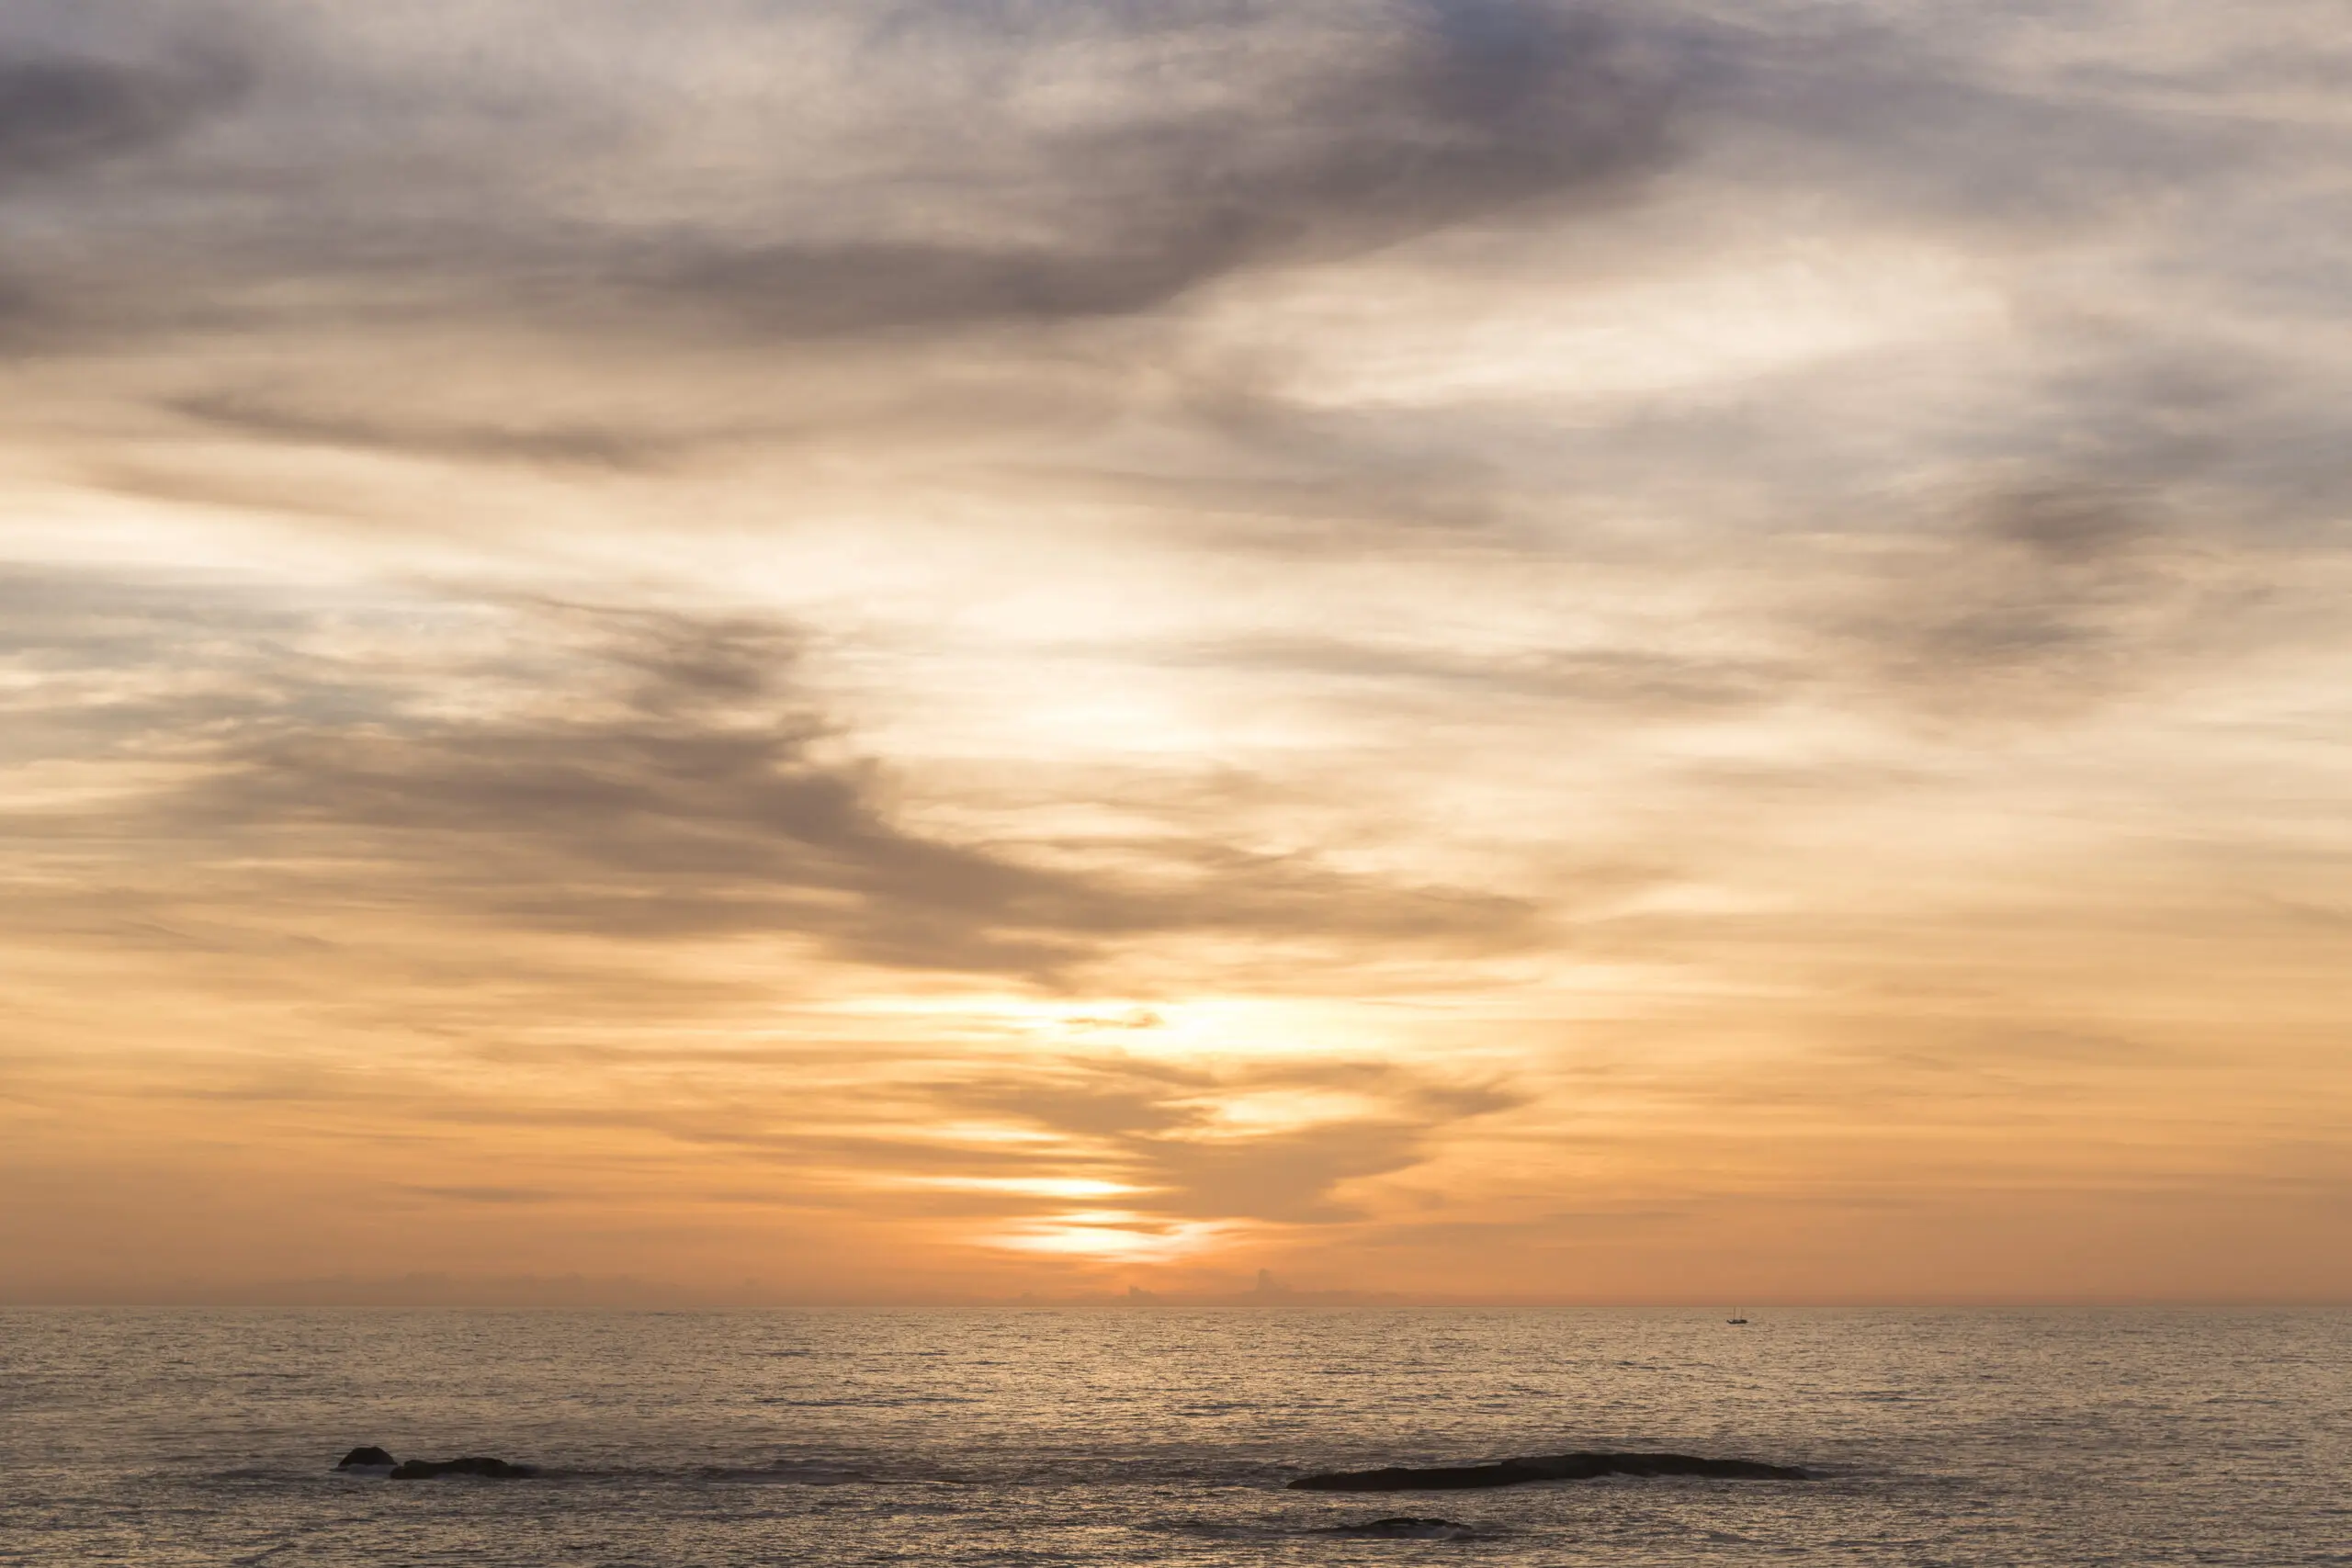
[2012,1438]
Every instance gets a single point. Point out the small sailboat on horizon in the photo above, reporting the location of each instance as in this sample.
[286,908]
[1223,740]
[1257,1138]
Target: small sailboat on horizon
[1738,1318]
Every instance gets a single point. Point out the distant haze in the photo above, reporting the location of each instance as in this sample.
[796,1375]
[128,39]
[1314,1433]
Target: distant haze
[1468,650]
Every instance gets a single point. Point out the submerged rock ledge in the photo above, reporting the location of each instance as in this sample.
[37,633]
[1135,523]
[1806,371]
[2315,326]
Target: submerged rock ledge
[1409,1530]
[472,1464]
[426,1468]
[1548,1467]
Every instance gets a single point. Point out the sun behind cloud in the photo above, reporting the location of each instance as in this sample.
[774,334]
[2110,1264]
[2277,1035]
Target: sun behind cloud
[1523,650]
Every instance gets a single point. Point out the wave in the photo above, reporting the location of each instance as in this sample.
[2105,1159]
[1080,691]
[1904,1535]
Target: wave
[876,1402]
[1405,1529]
[789,1472]
[782,1473]
[1388,1529]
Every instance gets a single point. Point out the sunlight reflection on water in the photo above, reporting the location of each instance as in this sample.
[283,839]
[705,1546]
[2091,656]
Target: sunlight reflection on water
[2075,1438]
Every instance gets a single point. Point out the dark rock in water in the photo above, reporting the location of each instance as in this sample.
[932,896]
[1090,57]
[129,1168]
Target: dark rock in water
[490,1469]
[1551,1467]
[1409,1530]
[360,1457]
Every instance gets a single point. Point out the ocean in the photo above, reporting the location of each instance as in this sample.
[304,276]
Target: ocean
[2012,1437]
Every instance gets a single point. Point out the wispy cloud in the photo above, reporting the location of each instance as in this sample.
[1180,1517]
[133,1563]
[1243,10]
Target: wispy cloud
[634,774]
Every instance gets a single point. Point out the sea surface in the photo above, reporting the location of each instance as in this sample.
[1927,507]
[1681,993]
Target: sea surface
[2071,1438]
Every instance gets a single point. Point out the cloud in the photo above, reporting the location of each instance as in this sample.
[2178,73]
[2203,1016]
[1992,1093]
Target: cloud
[498,1195]
[60,115]
[1056,163]
[1168,1128]
[85,104]
[638,775]
[1625,682]
[1431,115]
[567,446]
[2040,602]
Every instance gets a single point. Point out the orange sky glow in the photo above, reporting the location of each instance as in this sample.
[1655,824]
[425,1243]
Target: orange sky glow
[1499,652]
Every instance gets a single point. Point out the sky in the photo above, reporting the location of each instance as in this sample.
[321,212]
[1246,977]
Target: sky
[1464,649]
